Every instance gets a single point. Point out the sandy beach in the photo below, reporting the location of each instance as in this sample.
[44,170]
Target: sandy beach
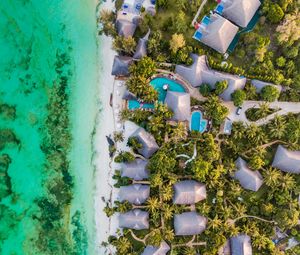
[105,126]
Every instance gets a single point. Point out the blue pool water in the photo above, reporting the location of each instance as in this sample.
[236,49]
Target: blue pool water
[197,123]
[157,84]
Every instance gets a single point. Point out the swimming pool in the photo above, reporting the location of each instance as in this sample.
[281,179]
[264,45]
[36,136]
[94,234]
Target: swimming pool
[197,123]
[157,84]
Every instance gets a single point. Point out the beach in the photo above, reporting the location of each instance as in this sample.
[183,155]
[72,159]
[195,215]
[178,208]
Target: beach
[105,126]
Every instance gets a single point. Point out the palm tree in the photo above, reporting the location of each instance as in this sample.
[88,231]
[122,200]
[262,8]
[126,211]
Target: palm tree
[153,204]
[260,241]
[287,182]
[179,132]
[277,127]
[122,244]
[240,209]
[167,211]
[215,223]
[272,177]
[168,234]
[167,192]
[238,130]
[252,131]
[263,110]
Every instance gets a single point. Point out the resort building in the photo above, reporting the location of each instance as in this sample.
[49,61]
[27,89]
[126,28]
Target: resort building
[188,192]
[180,104]
[259,85]
[121,66]
[199,73]
[135,194]
[216,32]
[136,170]
[189,223]
[153,250]
[249,179]
[241,245]
[141,48]
[287,160]
[239,12]
[149,145]
[134,219]
[126,23]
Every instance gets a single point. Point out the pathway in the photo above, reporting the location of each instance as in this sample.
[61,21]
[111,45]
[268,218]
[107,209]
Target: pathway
[198,12]
[286,107]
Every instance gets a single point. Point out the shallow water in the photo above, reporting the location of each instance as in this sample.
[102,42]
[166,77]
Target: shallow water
[32,33]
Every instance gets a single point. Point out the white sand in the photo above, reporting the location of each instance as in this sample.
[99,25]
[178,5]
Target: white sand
[105,125]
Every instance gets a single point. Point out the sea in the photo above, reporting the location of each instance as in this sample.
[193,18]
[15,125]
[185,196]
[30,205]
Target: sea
[32,32]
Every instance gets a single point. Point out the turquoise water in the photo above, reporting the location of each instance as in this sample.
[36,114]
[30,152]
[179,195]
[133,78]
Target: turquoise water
[197,122]
[33,33]
[158,84]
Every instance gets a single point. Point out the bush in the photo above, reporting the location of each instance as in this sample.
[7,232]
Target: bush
[238,97]
[221,86]
[275,13]
[205,90]
[124,156]
[269,93]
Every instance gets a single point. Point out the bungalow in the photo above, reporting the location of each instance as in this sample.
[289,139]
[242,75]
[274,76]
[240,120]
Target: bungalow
[141,48]
[154,250]
[121,66]
[135,194]
[239,12]
[180,104]
[199,73]
[137,170]
[149,145]
[134,219]
[217,33]
[249,179]
[126,23]
[241,245]
[188,192]
[287,160]
[189,223]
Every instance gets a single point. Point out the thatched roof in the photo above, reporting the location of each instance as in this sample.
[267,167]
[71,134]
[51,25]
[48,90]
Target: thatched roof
[219,33]
[135,193]
[241,245]
[121,66]
[240,11]
[134,219]
[251,180]
[141,48]
[259,85]
[188,192]
[189,223]
[180,104]
[199,73]
[287,160]
[153,250]
[149,145]
[136,170]
[193,73]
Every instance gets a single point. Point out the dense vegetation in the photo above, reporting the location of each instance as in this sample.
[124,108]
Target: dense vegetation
[268,53]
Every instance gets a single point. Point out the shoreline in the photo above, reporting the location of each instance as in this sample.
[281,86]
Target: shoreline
[104,126]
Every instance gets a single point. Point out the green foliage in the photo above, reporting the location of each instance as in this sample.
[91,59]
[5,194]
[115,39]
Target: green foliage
[238,97]
[134,143]
[162,162]
[8,111]
[269,93]
[274,13]
[146,67]
[221,86]
[215,110]
[107,19]
[205,90]
[124,156]
[124,45]
[200,169]
[7,136]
